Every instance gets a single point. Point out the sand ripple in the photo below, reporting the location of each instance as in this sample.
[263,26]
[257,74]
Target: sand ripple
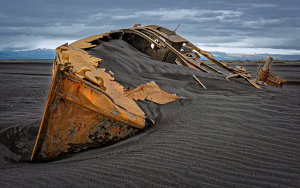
[228,135]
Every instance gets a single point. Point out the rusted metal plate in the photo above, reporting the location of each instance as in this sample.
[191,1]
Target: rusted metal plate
[271,79]
[79,117]
[152,92]
[72,128]
[85,96]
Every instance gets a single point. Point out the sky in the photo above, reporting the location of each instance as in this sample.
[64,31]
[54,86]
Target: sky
[231,26]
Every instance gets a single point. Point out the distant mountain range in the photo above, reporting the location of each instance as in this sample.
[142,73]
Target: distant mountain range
[28,54]
[50,54]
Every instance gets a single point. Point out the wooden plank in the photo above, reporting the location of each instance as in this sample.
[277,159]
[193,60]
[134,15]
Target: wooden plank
[199,82]
[268,65]
[254,84]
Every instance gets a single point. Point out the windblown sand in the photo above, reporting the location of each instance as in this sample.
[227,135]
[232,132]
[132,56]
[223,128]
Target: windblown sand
[231,134]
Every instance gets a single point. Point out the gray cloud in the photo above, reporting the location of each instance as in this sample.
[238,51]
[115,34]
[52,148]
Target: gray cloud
[262,5]
[230,24]
[195,15]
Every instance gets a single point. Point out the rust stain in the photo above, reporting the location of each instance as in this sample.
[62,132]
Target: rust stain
[115,130]
[64,127]
[72,128]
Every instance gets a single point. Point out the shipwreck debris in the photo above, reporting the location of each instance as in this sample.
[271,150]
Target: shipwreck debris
[265,75]
[239,69]
[199,82]
[152,92]
[87,107]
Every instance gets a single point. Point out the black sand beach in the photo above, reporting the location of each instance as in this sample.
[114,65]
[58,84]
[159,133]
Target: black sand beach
[230,135]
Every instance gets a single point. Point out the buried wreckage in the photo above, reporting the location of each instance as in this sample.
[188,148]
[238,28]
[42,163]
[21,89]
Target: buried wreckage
[87,108]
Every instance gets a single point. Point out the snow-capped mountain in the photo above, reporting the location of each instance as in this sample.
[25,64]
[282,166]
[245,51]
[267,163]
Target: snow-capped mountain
[29,54]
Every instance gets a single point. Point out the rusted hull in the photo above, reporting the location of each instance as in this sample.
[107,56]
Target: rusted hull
[78,117]
[86,107]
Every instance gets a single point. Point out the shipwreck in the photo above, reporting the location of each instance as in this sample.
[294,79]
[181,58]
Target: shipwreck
[87,108]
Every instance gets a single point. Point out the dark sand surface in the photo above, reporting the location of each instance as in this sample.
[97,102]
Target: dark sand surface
[231,134]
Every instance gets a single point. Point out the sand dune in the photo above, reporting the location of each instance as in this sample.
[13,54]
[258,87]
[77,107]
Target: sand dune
[228,135]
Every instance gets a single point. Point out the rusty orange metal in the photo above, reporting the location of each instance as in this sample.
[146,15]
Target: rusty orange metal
[265,75]
[74,111]
[151,92]
[271,79]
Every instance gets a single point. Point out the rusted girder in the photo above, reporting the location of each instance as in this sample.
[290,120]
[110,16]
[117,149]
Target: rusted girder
[177,52]
[134,30]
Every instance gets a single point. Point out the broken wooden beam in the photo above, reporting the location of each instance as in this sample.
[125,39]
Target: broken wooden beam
[199,82]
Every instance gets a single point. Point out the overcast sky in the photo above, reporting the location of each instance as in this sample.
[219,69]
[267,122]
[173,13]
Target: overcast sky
[235,26]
